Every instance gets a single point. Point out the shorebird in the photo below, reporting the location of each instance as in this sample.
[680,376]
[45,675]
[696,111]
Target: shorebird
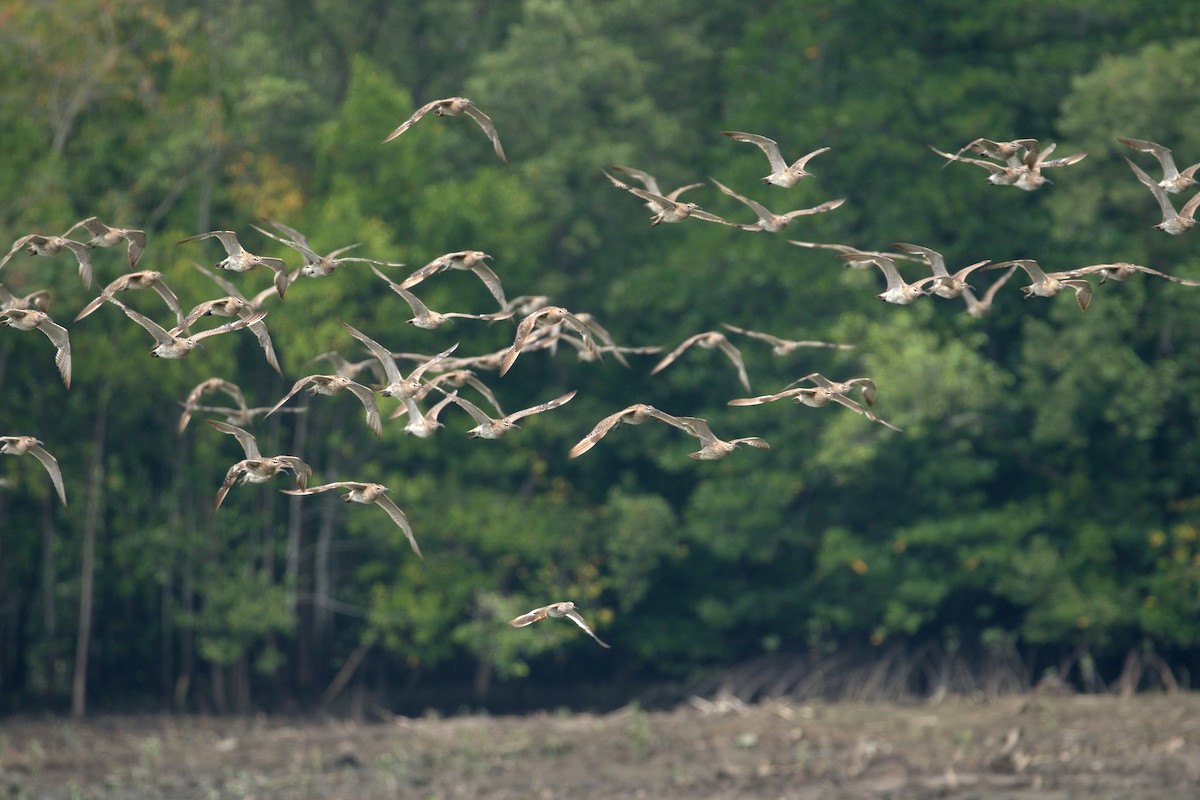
[667,210]
[545,316]
[1001,151]
[1123,270]
[170,343]
[254,468]
[255,302]
[708,340]
[453,107]
[944,284]
[29,445]
[635,414]
[34,301]
[38,245]
[30,319]
[1173,181]
[190,404]
[1035,160]
[352,369]
[782,347]
[233,306]
[1173,222]
[146,279]
[825,392]
[457,378]
[398,386]
[336,384]
[852,256]
[423,425]
[526,304]
[1000,174]
[238,259]
[651,185]
[367,493]
[556,611]
[1049,284]
[427,319]
[469,260]
[771,222]
[107,236]
[712,448]
[897,291]
[782,173]
[979,307]
[495,428]
[316,265]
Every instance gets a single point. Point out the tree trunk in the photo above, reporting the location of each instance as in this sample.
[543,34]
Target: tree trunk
[49,608]
[91,519]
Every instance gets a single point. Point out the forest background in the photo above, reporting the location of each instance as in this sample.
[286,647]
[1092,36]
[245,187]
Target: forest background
[1038,511]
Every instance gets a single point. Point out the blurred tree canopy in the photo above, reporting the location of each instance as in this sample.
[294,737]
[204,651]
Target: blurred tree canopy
[1042,498]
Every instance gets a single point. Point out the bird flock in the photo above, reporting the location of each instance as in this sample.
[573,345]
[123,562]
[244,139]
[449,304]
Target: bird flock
[438,381]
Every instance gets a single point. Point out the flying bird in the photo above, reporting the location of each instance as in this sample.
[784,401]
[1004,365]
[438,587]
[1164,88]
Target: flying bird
[30,319]
[979,306]
[108,236]
[489,427]
[1173,222]
[636,414]
[427,319]
[556,611]
[944,284]
[336,384]
[468,260]
[782,347]
[544,316]
[145,279]
[782,173]
[897,291]
[708,340]
[239,259]
[254,468]
[170,343]
[453,107]
[208,386]
[651,185]
[398,385]
[822,394]
[316,265]
[1173,181]
[367,493]
[38,245]
[712,448]
[769,221]
[29,445]
[667,210]
[1049,284]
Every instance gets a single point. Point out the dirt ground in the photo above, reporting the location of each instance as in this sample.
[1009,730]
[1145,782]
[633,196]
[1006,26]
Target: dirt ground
[1011,748]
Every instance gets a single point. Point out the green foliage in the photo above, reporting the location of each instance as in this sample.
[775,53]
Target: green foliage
[1040,497]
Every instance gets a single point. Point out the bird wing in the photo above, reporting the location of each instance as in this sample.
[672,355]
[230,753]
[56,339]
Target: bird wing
[549,404]
[485,122]
[245,438]
[367,398]
[61,340]
[575,617]
[1164,202]
[51,465]
[769,146]
[416,115]
[756,207]
[398,517]
[381,353]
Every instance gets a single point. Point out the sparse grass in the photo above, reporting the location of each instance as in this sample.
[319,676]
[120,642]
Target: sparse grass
[1133,748]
